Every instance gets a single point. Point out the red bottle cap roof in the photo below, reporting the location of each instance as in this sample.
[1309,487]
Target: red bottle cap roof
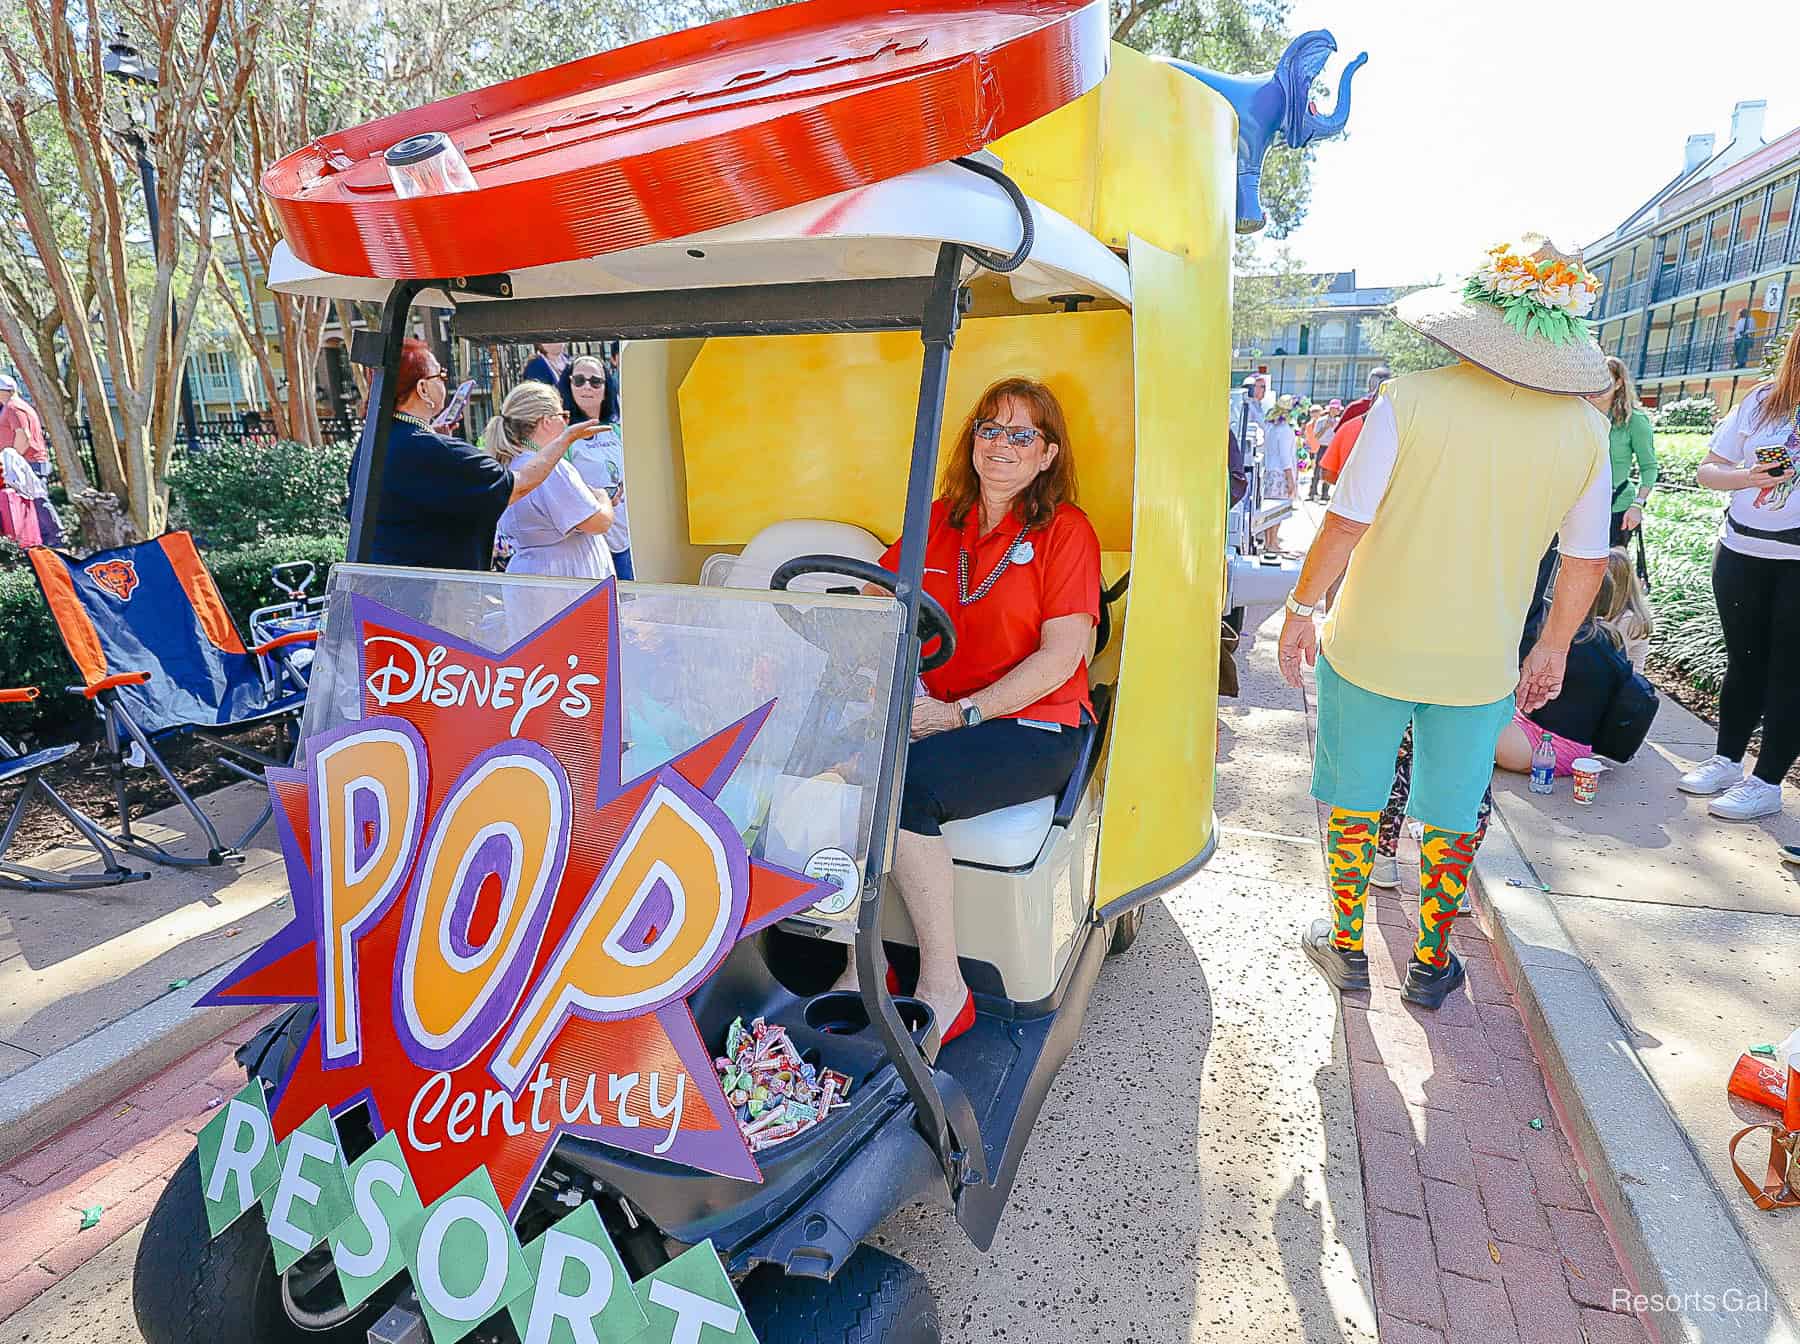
[691,131]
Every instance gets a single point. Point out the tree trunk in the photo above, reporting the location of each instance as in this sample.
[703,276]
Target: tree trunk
[104,522]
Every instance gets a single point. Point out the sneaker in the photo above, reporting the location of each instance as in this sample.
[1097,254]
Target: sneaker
[1345,970]
[1791,854]
[1747,800]
[1386,873]
[1710,777]
[1429,986]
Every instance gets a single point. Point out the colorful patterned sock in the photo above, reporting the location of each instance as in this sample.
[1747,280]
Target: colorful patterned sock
[1445,857]
[1350,854]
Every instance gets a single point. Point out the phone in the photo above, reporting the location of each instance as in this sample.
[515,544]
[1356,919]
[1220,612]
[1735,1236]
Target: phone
[453,409]
[1775,455]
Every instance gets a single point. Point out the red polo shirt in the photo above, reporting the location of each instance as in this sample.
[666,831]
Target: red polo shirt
[1055,572]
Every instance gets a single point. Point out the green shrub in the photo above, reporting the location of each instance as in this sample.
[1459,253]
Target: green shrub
[1678,456]
[233,493]
[243,574]
[31,654]
[1688,413]
[31,651]
[1681,528]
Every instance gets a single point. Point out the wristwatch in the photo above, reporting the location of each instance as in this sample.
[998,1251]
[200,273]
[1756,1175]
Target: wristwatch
[1301,610]
[970,711]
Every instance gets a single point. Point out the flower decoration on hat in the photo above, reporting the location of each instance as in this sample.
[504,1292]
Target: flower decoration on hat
[1541,292]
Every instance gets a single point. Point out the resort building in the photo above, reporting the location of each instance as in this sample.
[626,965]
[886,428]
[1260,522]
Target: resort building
[1699,276]
[1322,348]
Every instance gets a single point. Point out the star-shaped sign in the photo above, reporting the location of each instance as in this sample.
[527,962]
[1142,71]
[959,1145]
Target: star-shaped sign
[501,934]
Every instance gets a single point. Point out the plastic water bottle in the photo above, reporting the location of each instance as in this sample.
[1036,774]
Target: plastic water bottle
[1543,766]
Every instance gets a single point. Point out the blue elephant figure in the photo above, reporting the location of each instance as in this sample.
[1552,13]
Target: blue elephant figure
[1278,103]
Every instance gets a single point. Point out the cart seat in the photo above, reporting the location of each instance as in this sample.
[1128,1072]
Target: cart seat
[1008,838]
[780,542]
[1013,837]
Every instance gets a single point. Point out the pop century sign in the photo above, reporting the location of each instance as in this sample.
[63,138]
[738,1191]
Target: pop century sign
[567,1286]
[499,935]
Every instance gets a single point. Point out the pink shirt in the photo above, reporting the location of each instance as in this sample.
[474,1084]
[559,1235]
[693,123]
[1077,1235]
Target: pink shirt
[16,414]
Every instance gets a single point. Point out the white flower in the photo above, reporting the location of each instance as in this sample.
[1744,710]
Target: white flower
[1515,283]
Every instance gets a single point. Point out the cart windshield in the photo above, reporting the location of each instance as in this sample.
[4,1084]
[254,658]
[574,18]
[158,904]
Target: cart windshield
[692,662]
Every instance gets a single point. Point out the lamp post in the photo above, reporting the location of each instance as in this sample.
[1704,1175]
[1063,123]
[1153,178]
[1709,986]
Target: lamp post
[122,62]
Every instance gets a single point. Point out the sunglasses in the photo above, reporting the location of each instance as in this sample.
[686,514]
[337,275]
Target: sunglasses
[1019,436]
[588,380]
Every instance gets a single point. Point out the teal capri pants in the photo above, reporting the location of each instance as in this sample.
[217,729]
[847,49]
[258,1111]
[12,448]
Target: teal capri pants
[1359,736]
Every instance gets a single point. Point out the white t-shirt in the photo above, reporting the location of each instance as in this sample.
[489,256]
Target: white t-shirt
[600,459]
[18,475]
[1585,532]
[1737,440]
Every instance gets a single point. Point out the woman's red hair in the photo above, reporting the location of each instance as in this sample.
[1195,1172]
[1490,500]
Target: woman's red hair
[416,360]
[1783,398]
[1053,486]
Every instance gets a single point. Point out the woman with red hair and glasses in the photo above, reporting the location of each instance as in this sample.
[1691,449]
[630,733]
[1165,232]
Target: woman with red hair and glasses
[441,497]
[1017,567]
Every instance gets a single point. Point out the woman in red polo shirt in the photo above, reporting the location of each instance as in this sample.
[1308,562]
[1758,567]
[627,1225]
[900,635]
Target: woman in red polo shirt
[1017,566]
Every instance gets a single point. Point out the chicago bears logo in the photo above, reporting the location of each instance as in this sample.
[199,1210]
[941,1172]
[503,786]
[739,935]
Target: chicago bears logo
[118,577]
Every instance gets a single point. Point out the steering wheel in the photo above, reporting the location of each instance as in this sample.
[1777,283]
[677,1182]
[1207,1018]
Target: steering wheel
[934,621]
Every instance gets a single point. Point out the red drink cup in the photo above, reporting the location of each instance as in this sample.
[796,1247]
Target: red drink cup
[1586,771]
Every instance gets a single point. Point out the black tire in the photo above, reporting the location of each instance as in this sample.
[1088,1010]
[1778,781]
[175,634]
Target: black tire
[1125,931]
[191,1288]
[875,1299]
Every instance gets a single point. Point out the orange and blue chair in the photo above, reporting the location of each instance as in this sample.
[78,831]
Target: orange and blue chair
[160,659]
[29,767]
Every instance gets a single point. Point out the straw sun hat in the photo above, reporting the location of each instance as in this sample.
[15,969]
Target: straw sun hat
[1521,316]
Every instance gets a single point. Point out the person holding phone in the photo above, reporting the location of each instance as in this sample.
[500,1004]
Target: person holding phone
[1756,582]
[441,497]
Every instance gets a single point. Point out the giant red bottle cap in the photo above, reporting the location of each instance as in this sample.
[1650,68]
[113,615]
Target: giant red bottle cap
[688,132]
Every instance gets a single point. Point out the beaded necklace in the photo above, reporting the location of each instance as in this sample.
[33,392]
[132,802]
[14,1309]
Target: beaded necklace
[963,596]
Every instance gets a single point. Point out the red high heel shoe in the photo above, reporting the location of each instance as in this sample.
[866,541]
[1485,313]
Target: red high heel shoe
[964,1020]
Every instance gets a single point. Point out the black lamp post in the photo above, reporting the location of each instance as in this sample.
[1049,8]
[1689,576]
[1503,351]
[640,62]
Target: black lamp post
[123,63]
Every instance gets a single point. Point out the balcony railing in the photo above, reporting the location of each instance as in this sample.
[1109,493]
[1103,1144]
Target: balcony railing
[1743,260]
[1626,297]
[1772,251]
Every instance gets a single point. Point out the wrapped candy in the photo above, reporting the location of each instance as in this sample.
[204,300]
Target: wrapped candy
[775,1092]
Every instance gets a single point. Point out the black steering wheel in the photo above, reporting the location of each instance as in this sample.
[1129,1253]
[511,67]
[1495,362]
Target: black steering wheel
[934,621]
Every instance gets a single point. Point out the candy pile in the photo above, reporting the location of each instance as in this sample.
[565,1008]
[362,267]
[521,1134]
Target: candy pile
[776,1093]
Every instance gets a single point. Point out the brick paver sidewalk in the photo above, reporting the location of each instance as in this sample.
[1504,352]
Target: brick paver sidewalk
[1482,1229]
[117,1160]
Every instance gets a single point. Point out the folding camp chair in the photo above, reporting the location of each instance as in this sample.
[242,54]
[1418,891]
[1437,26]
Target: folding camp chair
[30,767]
[160,657]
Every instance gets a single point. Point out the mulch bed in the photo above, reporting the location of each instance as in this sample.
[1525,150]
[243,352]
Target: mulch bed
[86,783]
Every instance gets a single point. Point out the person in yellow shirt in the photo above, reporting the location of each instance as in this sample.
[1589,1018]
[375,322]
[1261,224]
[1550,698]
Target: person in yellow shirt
[1461,478]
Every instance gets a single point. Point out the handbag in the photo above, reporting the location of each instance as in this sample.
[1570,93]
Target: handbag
[1627,720]
[1778,1189]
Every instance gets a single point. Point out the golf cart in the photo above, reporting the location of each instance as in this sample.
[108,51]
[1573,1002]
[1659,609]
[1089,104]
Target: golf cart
[990,179]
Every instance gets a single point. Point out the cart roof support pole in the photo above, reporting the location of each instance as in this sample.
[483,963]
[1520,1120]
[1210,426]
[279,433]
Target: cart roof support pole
[955,1138]
[370,467]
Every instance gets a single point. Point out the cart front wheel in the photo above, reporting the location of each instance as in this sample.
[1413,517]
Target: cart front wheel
[875,1299]
[193,1288]
[1125,930]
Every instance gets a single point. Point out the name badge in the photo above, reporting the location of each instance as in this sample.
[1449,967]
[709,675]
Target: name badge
[1022,553]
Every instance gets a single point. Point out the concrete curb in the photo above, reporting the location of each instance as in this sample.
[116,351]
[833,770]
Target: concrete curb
[1674,1231]
[43,1099]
